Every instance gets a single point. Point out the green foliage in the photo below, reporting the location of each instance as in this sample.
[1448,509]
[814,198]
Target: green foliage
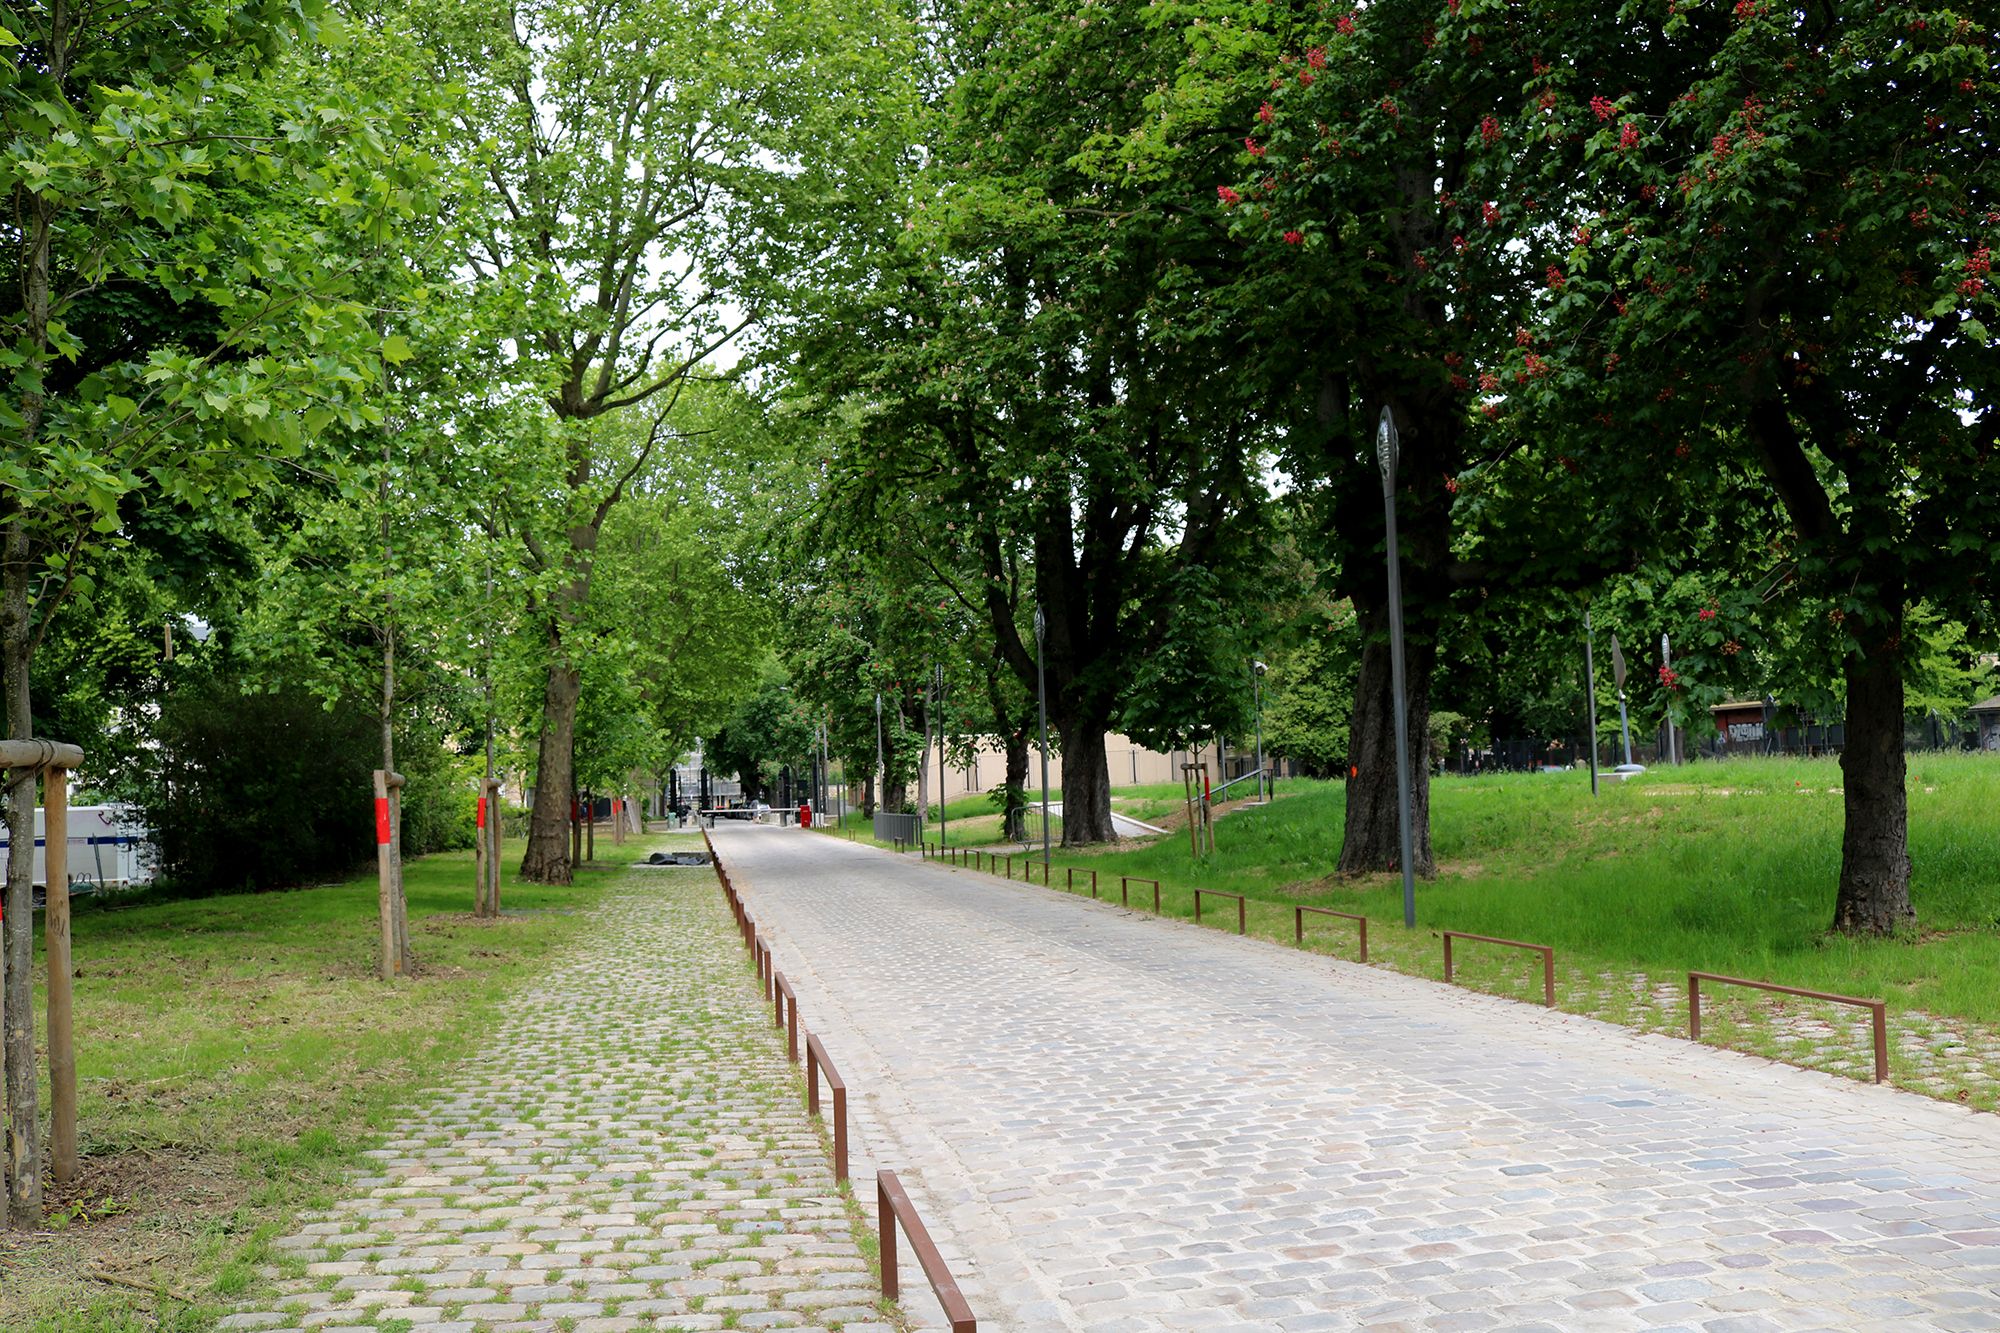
[1309,700]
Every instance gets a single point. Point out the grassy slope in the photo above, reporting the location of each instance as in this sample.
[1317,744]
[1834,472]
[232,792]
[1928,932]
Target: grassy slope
[235,1055]
[1719,867]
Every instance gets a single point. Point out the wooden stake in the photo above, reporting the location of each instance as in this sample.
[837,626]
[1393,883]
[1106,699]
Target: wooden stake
[55,919]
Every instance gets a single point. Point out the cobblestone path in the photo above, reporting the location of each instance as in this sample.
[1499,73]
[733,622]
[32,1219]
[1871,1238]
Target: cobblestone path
[1121,1124]
[628,1152]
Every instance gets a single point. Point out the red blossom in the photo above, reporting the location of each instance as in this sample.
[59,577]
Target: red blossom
[1489,130]
[1295,238]
[1523,338]
[1535,365]
[1583,236]
[1972,287]
[1491,411]
[1670,678]
[1388,104]
[1965,85]
[1490,213]
[1458,243]
[1488,380]
[1460,384]
[1316,57]
[1254,148]
[1603,107]
[1628,137]
[1305,78]
[1556,279]
[1706,613]
[1451,484]
[1227,195]
[1267,113]
[1344,25]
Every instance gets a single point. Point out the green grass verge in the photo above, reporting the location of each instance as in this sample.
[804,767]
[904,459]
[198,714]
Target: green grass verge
[236,1055]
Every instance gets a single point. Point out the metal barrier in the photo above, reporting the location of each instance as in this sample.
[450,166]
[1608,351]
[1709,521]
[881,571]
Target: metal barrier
[1218,893]
[899,828]
[1069,881]
[893,1206]
[1299,925]
[1547,952]
[1879,1009]
[1125,883]
[816,1061]
[786,1011]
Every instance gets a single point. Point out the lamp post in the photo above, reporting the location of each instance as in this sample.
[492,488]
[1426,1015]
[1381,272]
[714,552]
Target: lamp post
[881,768]
[1042,703]
[1387,444]
[1257,670]
[1590,682]
[943,824]
[1666,663]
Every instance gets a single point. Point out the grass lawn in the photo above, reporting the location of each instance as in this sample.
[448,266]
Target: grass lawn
[1720,867]
[236,1054]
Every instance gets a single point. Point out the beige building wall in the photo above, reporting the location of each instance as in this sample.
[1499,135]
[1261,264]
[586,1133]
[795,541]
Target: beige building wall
[1130,764]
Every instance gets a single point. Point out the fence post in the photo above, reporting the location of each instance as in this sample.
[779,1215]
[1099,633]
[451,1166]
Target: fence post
[62,1052]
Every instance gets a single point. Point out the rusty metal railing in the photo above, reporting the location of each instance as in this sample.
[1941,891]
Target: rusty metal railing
[893,1206]
[1069,878]
[1125,883]
[1299,924]
[817,1063]
[1218,893]
[1547,952]
[1877,1008]
[786,1012]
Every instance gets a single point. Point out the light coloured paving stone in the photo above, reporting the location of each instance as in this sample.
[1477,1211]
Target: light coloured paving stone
[1092,1107]
[630,1145]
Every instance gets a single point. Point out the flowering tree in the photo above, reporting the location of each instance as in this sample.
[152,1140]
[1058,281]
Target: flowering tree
[1773,251]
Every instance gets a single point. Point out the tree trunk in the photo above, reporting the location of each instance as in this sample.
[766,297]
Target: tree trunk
[1014,820]
[1372,840]
[1874,896]
[547,858]
[24,1136]
[1086,784]
[868,797]
[589,826]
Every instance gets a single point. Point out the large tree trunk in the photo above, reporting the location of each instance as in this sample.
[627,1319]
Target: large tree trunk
[1874,897]
[547,858]
[1086,784]
[1014,820]
[24,1138]
[1372,840]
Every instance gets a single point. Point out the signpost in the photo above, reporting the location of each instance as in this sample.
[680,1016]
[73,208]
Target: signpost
[1590,681]
[1387,444]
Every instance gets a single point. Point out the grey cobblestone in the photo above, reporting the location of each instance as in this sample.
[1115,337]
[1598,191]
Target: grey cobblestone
[1113,1121]
[628,1152]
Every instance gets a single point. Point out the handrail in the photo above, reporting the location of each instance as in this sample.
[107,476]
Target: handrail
[1547,952]
[1878,1008]
[1069,878]
[816,1060]
[892,1206]
[1125,883]
[1240,777]
[1299,924]
[1218,893]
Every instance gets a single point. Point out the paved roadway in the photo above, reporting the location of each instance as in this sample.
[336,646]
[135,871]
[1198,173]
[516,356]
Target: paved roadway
[1115,1123]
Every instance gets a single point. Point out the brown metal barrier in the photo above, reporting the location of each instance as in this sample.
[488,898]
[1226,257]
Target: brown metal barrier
[1299,924]
[786,1011]
[1125,883]
[816,1060]
[893,1206]
[1547,952]
[1879,1009]
[1218,893]
[1069,881]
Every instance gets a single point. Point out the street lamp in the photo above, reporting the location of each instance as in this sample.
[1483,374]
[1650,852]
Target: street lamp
[1387,445]
[1257,670]
[944,826]
[1042,702]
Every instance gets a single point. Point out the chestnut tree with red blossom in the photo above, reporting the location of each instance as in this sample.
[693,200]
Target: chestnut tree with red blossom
[1777,257]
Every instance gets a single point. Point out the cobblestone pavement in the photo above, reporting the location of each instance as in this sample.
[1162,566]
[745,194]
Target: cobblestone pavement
[1116,1123]
[628,1152]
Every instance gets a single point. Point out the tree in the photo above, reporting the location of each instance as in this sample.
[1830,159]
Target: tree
[183,323]
[1779,252]
[638,162]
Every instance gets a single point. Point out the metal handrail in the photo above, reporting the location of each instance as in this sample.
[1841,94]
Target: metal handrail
[893,1206]
[1125,883]
[1218,893]
[785,1011]
[1240,777]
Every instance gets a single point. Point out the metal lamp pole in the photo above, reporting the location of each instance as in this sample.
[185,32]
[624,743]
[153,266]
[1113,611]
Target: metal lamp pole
[1590,681]
[1257,670]
[1042,702]
[881,765]
[1387,444]
[943,825]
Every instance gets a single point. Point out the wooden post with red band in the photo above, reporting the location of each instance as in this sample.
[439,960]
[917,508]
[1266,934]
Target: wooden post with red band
[391,961]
